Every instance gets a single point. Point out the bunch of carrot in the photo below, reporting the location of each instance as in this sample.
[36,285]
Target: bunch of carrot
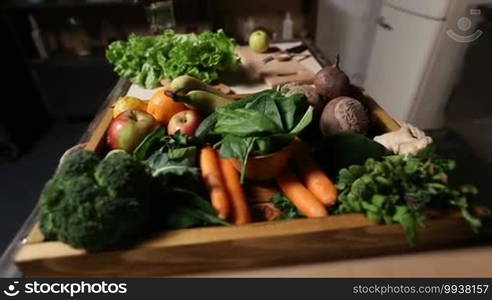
[311,195]
[223,183]
[315,191]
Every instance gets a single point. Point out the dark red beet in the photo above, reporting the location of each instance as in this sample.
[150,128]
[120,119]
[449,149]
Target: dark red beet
[331,82]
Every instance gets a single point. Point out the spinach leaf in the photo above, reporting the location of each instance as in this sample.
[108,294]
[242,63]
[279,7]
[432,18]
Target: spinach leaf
[272,143]
[234,146]
[150,144]
[304,122]
[244,122]
[206,126]
[238,148]
[291,109]
[260,124]
[266,104]
[187,209]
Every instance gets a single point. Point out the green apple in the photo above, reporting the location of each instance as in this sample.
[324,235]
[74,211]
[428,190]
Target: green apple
[259,41]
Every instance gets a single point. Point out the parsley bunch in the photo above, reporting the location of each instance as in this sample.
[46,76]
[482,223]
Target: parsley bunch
[399,188]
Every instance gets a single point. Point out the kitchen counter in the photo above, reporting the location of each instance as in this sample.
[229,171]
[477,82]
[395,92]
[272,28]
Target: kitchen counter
[457,262]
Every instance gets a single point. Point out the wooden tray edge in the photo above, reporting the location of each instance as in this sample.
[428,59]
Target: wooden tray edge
[240,253]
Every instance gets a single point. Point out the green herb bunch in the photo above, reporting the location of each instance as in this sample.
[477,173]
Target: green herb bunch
[288,210]
[399,188]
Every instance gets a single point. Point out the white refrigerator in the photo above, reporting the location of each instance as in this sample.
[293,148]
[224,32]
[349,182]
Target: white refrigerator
[414,63]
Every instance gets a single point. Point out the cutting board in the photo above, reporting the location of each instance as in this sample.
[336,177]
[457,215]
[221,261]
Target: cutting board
[275,72]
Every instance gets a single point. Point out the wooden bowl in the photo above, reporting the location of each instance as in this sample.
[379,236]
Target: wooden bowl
[266,167]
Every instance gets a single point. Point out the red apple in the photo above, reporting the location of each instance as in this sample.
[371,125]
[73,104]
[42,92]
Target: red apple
[129,128]
[185,121]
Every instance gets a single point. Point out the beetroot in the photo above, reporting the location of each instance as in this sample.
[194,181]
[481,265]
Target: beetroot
[331,82]
[344,114]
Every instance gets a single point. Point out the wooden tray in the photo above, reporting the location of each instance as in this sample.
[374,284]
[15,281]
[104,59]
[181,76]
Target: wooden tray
[259,244]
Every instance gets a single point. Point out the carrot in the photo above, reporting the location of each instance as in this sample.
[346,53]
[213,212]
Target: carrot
[312,176]
[212,176]
[240,209]
[300,196]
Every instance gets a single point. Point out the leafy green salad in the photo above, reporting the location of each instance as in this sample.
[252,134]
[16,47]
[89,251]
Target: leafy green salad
[146,60]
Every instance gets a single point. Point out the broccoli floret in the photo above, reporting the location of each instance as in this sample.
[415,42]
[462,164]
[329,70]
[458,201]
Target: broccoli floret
[100,209]
[105,223]
[81,162]
[122,176]
[52,200]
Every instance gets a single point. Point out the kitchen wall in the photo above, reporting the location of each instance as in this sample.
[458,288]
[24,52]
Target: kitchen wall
[347,27]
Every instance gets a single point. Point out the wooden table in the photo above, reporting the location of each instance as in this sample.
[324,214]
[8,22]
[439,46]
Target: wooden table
[466,262]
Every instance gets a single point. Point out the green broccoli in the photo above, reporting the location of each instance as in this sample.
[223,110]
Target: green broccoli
[103,205]
[121,175]
[81,162]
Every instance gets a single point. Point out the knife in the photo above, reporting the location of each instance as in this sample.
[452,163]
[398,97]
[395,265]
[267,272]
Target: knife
[292,50]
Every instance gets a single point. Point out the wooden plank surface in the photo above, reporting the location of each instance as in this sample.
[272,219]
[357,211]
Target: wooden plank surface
[236,247]
[275,72]
[453,262]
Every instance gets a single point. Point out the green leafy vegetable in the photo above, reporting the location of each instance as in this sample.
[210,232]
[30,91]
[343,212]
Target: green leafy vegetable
[398,189]
[187,209]
[206,126]
[150,144]
[145,60]
[260,124]
[106,204]
[179,162]
[174,164]
[244,122]
[289,211]
[101,204]
[338,151]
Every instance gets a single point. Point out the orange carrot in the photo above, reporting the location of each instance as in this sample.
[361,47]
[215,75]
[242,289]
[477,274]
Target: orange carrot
[212,176]
[312,176]
[300,196]
[240,209]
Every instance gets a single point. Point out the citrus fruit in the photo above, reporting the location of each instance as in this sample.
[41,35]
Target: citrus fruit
[162,107]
